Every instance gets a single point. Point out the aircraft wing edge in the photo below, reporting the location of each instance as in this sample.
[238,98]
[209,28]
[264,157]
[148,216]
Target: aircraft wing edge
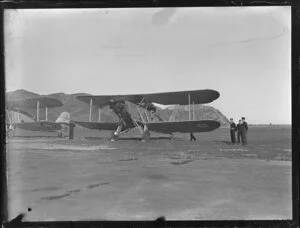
[97,125]
[183,126]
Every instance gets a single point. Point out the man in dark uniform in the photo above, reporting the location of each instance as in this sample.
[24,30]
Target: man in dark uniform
[232,131]
[239,133]
[244,130]
[192,137]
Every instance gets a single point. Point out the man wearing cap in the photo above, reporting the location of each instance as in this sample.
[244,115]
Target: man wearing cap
[244,130]
[232,131]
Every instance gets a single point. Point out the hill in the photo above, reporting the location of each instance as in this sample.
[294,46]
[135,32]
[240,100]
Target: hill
[79,111]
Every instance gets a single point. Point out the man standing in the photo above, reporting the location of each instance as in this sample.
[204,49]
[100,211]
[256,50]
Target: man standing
[232,131]
[192,137]
[239,133]
[244,130]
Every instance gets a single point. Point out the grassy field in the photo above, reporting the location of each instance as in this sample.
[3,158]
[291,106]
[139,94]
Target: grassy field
[91,178]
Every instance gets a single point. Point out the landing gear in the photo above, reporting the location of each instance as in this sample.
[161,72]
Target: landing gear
[10,130]
[114,137]
[146,136]
[10,133]
[125,121]
[115,134]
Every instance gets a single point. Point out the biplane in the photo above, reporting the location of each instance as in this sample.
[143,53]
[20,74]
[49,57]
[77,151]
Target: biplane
[148,119]
[36,123]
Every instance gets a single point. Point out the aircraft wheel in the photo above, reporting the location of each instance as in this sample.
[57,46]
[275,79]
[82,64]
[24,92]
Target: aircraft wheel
[114,137]
[146,136]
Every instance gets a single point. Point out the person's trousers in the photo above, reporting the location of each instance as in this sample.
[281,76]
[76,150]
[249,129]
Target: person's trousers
[244,138]
[232,135]
[239,137]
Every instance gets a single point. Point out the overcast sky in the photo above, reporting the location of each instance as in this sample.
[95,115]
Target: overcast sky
[242,52]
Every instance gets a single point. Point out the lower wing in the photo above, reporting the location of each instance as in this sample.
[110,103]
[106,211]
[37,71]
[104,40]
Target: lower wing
[39,126]
[98,126]
[183,126]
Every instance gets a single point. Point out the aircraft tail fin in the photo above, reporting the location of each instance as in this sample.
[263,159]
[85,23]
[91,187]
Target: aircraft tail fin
[64,117]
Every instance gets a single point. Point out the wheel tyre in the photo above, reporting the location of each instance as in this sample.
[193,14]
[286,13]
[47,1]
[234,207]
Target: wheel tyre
[114,137]
[146,136]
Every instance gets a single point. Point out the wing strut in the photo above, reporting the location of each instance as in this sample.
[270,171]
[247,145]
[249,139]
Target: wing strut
[9,117]
[46,110]
[137,125]
[140,114]
[38,111]
[99,117]
[193,110]
[19,116]
[147,116]
[189,106]
[91,105]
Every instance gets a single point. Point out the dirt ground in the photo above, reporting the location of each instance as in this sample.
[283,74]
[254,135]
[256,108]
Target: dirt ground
[94,179]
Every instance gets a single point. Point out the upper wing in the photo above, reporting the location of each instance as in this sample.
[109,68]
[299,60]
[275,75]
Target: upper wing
[98,126]
[181,98]
[183,126]
[32,103]
[39,126]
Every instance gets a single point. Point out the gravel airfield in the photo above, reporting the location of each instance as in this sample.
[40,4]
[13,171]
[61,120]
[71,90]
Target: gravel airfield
[92,178]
